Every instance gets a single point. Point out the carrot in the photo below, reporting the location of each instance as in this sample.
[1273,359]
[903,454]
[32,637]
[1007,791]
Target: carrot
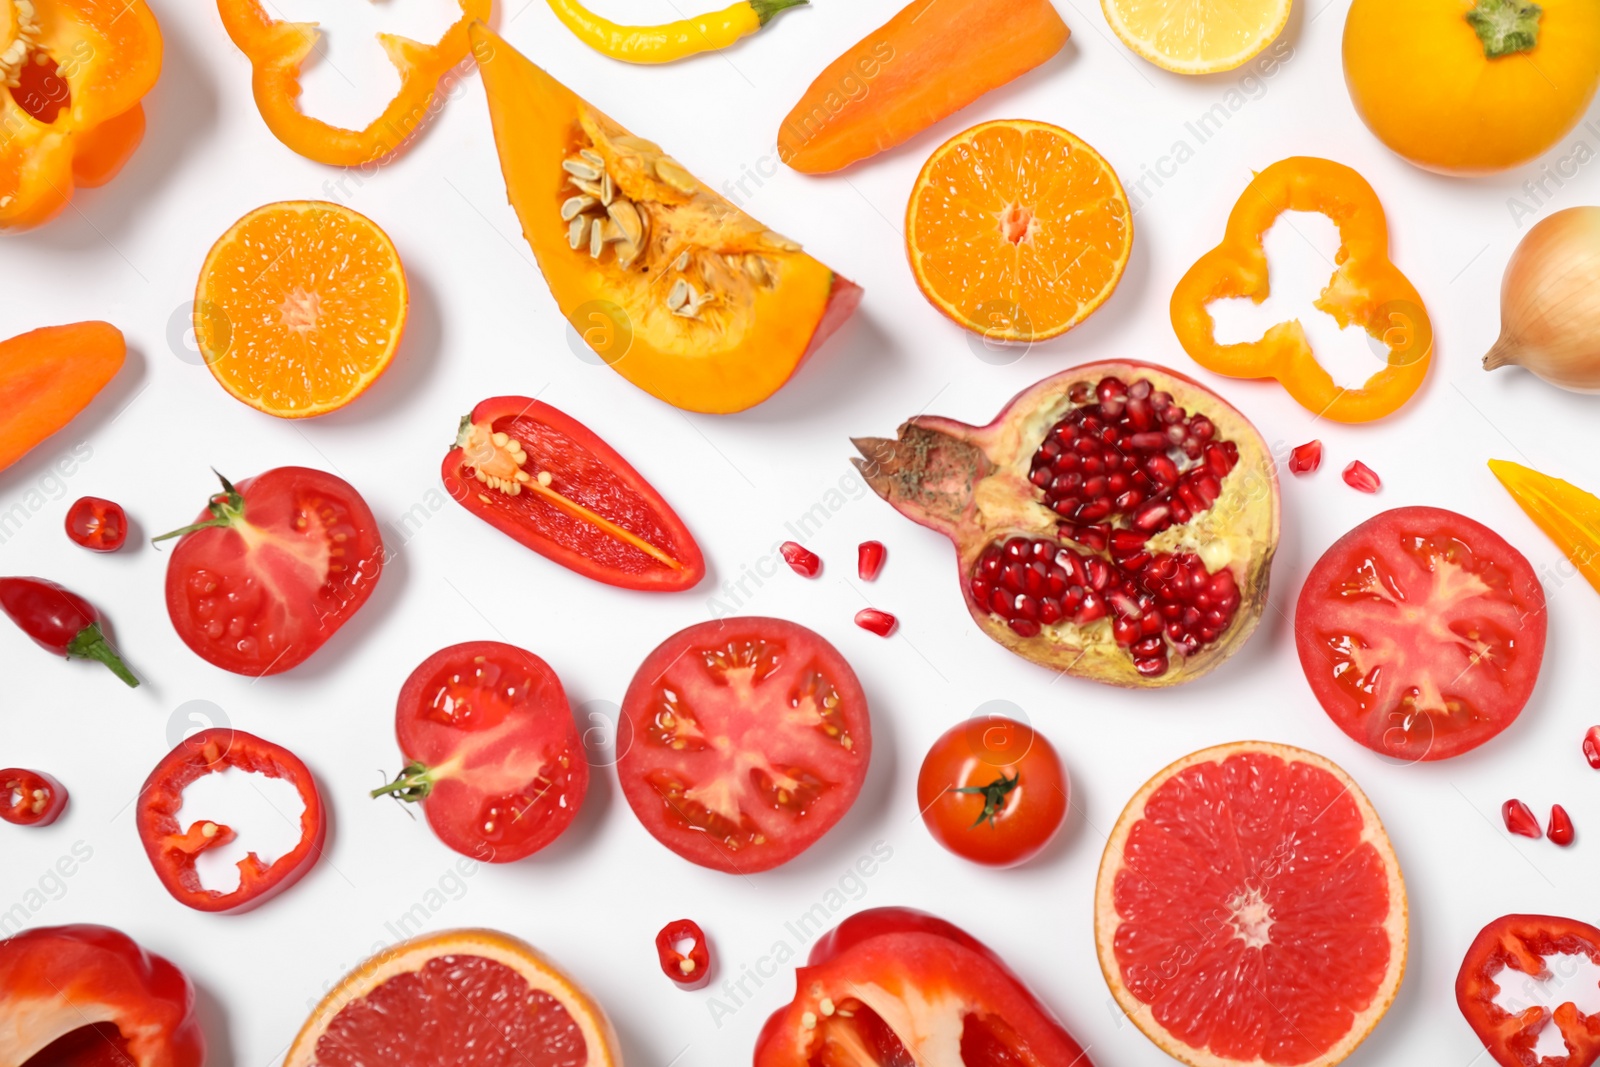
[49,375]
[932,59]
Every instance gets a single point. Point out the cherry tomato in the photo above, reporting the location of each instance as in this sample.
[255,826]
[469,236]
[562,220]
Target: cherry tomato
[96,524]
[692,969]
[494,754]
[1421,633]
[1513,950]
[993,791]
[271,569]
[60,621]
[30,798]
[750,740]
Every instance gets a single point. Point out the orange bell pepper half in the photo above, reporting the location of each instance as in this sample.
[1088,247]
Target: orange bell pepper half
[1366,290]
[1569,516]
[72,75]
[276,49]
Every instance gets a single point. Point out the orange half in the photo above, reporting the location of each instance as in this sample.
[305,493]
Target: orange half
[1018,230]
[461,998]
[300,307]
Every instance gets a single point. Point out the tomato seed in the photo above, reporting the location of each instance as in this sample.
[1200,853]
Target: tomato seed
[801,560]
[878,622]
[1305,458]
[1361,477]
[1519,819]
[869,559]
[1560,826]
[1591,747]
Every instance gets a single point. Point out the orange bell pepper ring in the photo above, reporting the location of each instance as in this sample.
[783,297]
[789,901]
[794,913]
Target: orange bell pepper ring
[1366,289]
[276,49]
[72,75]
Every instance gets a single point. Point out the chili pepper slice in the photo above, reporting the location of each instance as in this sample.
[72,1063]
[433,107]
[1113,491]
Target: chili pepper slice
[1365,290]
[173,850]
[60,621]
[88,995]
[692,969]
[1521,943]
[672,40]
[30,798]
[97,524]
[276,49]
[542,477]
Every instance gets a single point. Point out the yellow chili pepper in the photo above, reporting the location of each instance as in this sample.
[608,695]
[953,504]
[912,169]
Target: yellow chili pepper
[1567,514]
[671,40]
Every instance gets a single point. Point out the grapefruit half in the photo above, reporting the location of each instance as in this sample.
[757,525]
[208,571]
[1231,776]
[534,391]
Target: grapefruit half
[1250,909]
[462,998]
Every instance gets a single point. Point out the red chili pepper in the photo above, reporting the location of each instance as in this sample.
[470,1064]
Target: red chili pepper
[1519,819]
[30,798]
[869,559]
[172,850]
[1591,747]
[691,970]
[875,621]
[96,524]
[1560,830]
[83,995]
[60,621]
[801,560]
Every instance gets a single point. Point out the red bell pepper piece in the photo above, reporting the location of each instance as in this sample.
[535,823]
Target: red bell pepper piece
[82,995]
[30,798]
[60,621]
[1514,949]
[173,850]
[691,970]
[881,980]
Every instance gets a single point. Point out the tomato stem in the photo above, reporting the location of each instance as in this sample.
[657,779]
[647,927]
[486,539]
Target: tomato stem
[414,783]
[227,509]
[90,643]
[1506,27]
[994,796]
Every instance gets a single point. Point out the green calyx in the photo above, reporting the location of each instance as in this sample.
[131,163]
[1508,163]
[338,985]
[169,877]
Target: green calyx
[464,432]
[414,783]
[1506,27]
[766,9]
[90,643]
[994,797]
[227,509]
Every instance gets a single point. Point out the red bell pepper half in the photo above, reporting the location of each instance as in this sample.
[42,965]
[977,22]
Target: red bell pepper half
[173,850]
[692,969]
[550,482]
[894,987]
[88,995]
[1503,951]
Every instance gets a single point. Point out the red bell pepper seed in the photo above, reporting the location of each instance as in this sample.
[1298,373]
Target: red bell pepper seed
[869,559]
[1305,458]
[691,969]
[1560,826]
[1519,819]
[878,622]
[1591,747]
[1360,476]
[801,560]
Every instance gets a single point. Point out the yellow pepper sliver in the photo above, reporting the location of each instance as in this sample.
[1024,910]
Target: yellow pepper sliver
[1569,516]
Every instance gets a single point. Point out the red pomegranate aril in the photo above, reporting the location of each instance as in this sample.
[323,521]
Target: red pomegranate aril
[1305,458]
[1591,747]
[1560,831]
[1361,477]
[1152,516]
[1162,469]
[875,621]
[1147,442]
[1519,819]
[1050,612]
[800,559]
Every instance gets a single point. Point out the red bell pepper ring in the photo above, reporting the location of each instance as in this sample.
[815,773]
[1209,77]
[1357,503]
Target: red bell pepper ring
[30,798]
[692,969]
[173,850]
[1520,943]
[85,995]
[884,979]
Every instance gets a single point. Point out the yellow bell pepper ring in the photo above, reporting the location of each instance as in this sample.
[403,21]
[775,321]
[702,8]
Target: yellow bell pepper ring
[669,41]
[276,49]
[1366,289]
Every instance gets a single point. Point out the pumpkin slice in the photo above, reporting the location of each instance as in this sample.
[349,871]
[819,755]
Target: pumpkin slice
[682,293]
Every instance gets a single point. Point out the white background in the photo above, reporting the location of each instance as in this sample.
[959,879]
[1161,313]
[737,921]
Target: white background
[482,324]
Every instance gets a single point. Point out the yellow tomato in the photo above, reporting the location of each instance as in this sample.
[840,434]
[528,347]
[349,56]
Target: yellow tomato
[1469,86]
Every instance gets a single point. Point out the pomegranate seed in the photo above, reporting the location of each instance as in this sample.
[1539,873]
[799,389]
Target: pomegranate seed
[882,623]
[1560,826]
[1591,747]
[869,559]
[801,560]
[1519,819]
[1360,476]
[1306,458]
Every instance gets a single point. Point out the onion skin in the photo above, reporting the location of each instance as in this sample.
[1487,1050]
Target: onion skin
[1550,303]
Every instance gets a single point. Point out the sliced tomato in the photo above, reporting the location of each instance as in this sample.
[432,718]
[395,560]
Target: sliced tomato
[750,740]
[547,480]
[1421,633]
[1522,944]
[892,987]
[272,568]
[493,752]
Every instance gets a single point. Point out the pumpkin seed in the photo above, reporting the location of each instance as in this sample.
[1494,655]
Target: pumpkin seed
[671,171]
[597,239]
[627,252]
[781,243]
[682,263]
[681,293]
[575,206]
[638,144]
[577,231]
[580,169]
[591,156]
[608,191]
[586,188]
[628,218]
[756,267]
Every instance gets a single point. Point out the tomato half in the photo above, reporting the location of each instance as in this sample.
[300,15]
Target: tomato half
[271,569]
[493,752]
[542,477]
[993,791]
[1514,946]
[1421,633]
[97,524]
[750,740]
[30,798]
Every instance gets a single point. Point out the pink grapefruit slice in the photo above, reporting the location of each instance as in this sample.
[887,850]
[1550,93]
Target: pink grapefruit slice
[1250,909]
[462,998]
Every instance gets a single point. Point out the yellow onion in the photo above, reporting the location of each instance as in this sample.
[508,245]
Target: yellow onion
[1550,303]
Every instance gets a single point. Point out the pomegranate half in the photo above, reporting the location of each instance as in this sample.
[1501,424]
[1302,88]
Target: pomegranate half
[1116,521]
